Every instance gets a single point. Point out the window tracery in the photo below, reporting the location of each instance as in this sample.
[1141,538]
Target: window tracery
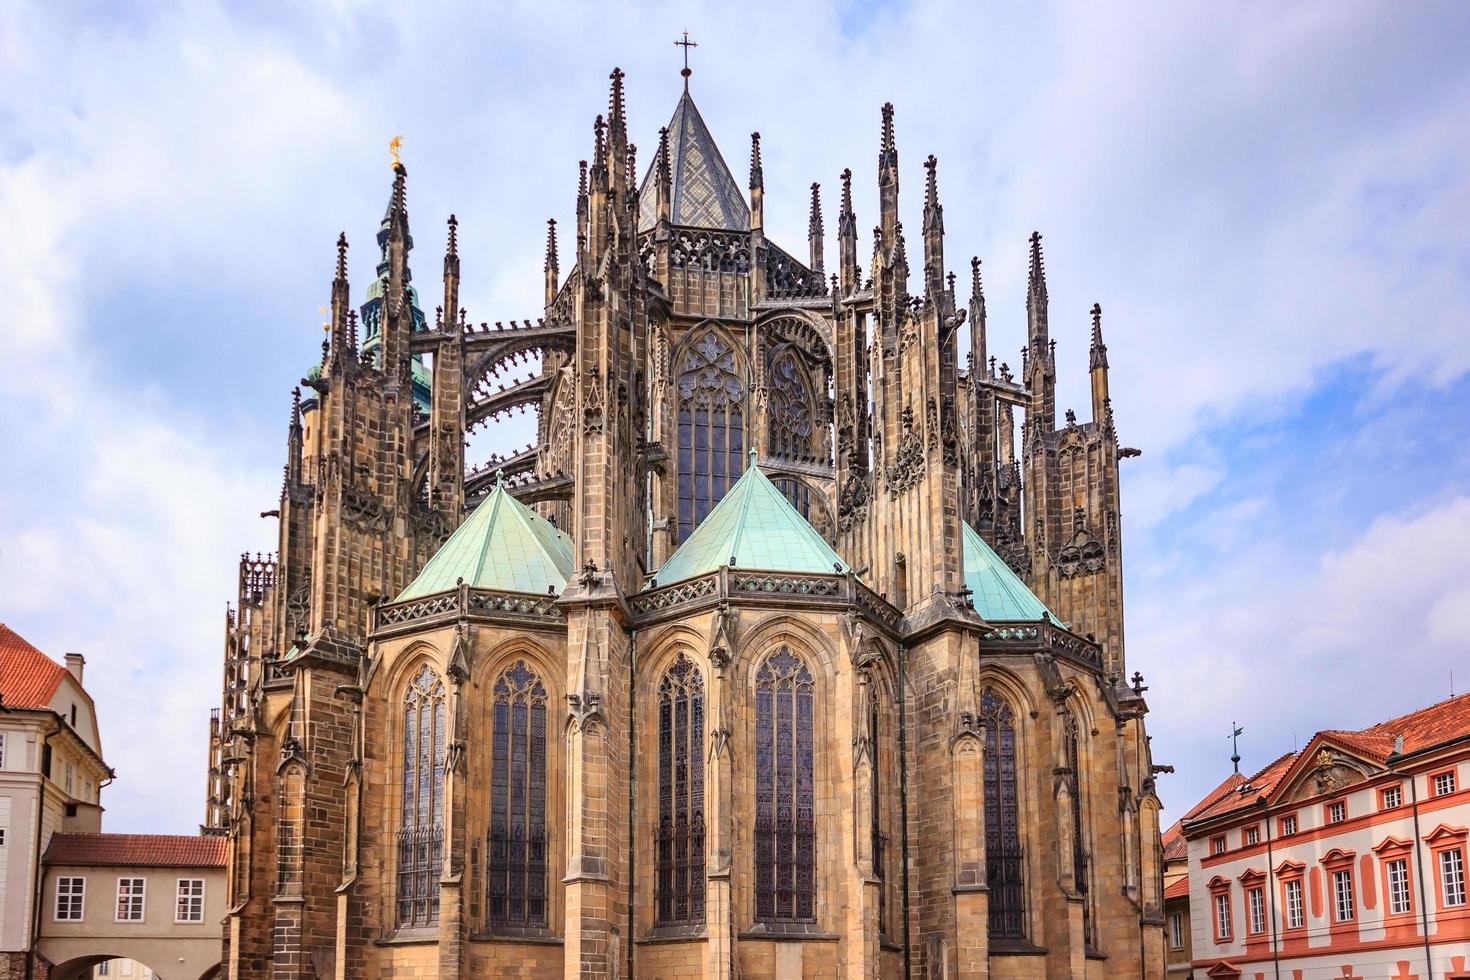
[711,428]
[1004,858]
[421,828]
[680,856]
[792,414]
[516,849]
[785,817]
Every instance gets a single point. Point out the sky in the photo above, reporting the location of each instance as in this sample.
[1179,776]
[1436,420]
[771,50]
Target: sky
[1270,202]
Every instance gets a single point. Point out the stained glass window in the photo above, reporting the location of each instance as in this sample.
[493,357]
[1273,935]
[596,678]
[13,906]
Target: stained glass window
[790,406]
[785,819]
[421,826]
[711,428]
[1004,865]
[516,848]
[680,892]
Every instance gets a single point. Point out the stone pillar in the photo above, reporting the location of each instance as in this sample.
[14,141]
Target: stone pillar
[971,893]
[719,912]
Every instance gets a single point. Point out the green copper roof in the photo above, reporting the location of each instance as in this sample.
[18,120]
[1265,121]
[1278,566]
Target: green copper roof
[705,193]
[503,544]
[757,526]
[997,592]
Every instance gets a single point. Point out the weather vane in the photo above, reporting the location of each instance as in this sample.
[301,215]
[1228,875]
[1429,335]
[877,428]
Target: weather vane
[686,44]
[394,145]
[1235,732]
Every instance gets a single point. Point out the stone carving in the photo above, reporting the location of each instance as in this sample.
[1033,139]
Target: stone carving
[907,468]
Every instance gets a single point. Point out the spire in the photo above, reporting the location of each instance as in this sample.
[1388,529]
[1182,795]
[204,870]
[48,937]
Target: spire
[933,232]
[582,206]
[1038,364]
[294,440]
[814,228]
[341,298]
[617,135]
[1101,410]
[1098,354]
[553,279]
[757,184]
[451,273]
[977,322]
[1036,300]
[397,316]
[664,181]
[847,235]
[888,178]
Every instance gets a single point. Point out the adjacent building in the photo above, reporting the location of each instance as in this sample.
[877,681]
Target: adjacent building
[1344,860]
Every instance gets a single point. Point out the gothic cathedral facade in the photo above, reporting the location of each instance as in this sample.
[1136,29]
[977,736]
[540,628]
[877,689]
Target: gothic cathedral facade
[792,647]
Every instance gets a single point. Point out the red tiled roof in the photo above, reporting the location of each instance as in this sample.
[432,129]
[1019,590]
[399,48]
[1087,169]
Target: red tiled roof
[1261,783]
[28,678]
[1176,848]
[1178,888]
[137,850]
[1442,722]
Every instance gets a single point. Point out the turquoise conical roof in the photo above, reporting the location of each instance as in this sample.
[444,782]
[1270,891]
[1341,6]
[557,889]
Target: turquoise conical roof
[756,526]
[503,544]
[997,592]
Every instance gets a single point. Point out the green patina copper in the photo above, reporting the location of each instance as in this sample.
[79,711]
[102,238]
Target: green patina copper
[997,592]
[756,526]
[503,544]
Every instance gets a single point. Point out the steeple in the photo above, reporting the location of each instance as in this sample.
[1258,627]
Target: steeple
[553,277]
[1098,364]
[757,184]
[933,234]
[888,178]
[847,237]
[814,229]
[703,193]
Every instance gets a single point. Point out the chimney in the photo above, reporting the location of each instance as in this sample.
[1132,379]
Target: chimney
[74,664]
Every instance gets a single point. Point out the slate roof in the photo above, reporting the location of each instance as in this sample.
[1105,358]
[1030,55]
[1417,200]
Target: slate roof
[137,850]
[705,194]
[503,544]
[28,678]
[997,592]
[756,525]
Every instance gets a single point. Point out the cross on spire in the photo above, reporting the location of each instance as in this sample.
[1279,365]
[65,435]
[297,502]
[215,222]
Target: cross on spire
[686,44]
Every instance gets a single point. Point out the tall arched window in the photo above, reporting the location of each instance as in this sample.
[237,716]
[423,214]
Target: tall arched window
[785,818]
[680,897]
[879,838]
[791,420]
[1003,857]
[711,428]
[1080,870]
[516,848]
[421,823]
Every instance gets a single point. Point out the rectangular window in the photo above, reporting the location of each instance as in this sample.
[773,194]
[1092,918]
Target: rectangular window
[1393,797]
[1342,895]
[1444,783]
[1336,812]
[1452,876]
[69,893]
[1176,930]
[1294,918]
[2,750]
[104,968]
[1257,899]
[2,836]
[1217,844]
[69,780]
[127,968]
[1398,887]
[1288,825]
[191,900]
[1252,836]
[1222,917]
[130,899]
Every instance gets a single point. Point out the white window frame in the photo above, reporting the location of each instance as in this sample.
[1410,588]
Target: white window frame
[1337,811]
[2,750]
[1398,887]
[138,900]
[1256,903]
[69,779]
[1252,836]
[1294,917]
[104,968]
[1217,844]
[1344,909]
[126,969]
[1176,930]
[1288,825]
[1223,930]
[1398,797]
[191,902]
[1444,783]
[1452,877]
[76,890]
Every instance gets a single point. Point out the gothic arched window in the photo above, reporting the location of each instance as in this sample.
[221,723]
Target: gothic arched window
[711,428]
[680,897]
[1080,871]
[1003,857]
[785,818]
[516,848]
[421,823]
[879,838]
[791,412]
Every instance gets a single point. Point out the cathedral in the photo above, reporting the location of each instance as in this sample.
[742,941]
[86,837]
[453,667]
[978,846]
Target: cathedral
[792,647]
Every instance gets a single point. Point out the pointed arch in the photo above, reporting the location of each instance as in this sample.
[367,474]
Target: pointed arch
[679,882]
[516,846]
[710,379]
[1004,852]
[792,419]
[424,740]
[1071,737]
[785,789]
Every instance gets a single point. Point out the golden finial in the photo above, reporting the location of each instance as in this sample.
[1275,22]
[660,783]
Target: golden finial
[394,145]
[326,324]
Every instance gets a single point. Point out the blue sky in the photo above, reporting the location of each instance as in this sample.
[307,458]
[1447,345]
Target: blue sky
[1270,202]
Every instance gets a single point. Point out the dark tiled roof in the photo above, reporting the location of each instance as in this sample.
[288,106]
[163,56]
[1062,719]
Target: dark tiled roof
[705,193]
[1176,847]
[137,850]
[28,678]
